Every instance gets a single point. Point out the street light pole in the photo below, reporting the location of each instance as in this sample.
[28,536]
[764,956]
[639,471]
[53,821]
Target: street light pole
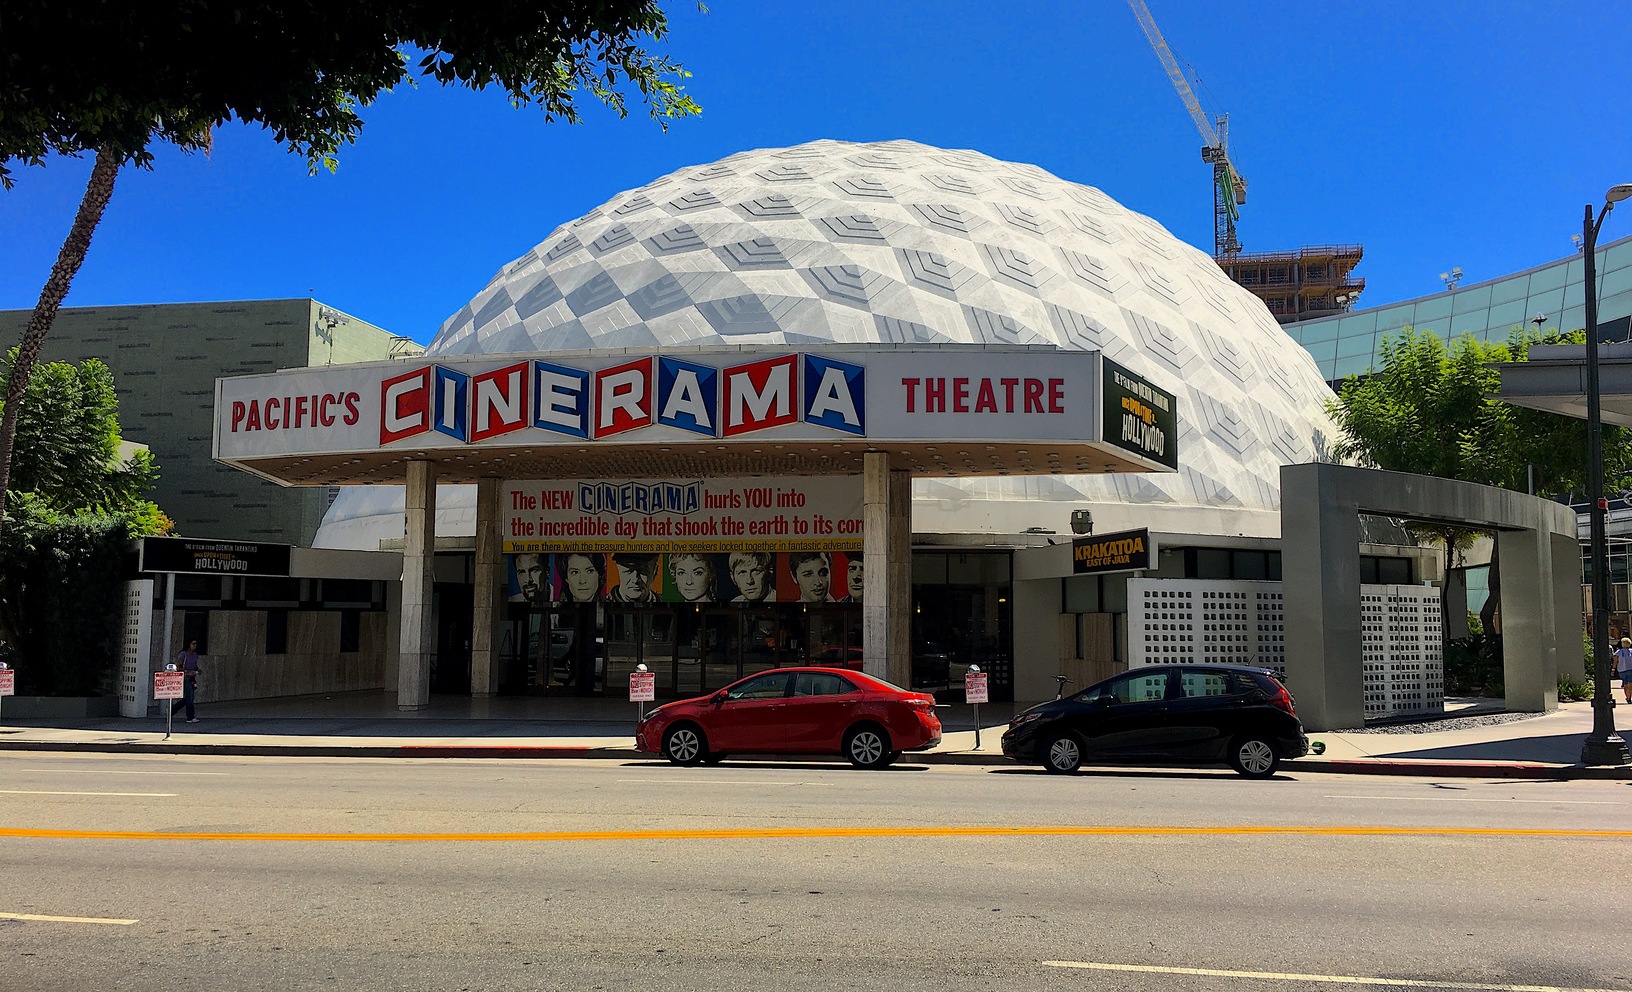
[1603,746]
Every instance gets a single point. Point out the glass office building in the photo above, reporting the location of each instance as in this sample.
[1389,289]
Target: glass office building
[1347,344]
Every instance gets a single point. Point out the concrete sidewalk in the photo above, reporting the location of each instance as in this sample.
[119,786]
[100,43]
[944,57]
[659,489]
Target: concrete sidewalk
[366,725]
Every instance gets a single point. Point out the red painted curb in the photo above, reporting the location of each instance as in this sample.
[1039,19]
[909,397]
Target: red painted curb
[1459,769]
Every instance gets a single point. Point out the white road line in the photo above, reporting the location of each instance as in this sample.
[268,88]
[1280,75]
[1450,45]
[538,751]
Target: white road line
[666,780]
[1476,799]
[119,771]
[65,919]
[1397,983]
[37,792]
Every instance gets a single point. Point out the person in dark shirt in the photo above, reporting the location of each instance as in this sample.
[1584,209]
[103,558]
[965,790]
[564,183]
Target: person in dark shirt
[187,661]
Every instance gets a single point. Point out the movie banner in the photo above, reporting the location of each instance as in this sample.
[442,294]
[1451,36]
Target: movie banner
[656,516]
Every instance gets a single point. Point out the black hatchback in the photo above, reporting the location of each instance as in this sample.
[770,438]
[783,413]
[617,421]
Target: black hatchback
[1165,714]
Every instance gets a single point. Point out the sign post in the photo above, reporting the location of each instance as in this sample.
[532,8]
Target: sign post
[168,685]
[974,692]
[8,681]
[642,690]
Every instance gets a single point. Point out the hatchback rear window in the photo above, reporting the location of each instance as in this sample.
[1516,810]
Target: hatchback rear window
[1194,684]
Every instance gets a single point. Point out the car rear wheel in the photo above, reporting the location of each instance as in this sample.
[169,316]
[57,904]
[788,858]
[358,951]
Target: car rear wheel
[867,746]
[1254,757]
[1062,753]
[684,744]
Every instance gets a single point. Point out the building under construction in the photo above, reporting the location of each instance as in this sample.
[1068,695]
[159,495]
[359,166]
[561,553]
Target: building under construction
[1300,283]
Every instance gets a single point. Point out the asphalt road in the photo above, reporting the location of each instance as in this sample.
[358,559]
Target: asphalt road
[288,874]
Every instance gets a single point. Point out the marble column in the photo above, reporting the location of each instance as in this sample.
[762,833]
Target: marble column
[418,634]
[886,610]
[488,609]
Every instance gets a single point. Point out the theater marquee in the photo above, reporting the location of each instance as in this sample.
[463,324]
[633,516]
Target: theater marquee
[967,410]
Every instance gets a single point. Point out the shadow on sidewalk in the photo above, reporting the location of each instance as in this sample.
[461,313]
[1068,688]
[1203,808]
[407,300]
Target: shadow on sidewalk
[1562,749]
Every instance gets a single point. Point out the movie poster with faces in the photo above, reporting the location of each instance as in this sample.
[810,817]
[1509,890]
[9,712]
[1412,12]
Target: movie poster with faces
[742,578]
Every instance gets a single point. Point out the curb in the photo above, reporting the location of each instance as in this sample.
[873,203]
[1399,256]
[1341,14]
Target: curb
[1335,766]
[1463,769]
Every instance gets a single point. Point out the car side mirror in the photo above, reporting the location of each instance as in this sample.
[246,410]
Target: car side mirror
[1105,699]
[719,697]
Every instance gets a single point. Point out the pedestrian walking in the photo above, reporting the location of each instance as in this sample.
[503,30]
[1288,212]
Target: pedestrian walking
[187,661]
[1623,665]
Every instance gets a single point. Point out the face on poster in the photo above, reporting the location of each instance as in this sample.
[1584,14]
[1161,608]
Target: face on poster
[530,578]
[753,575]
[580,577]
[692,577]
[634,578]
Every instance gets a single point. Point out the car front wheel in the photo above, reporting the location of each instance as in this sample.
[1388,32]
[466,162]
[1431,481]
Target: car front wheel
[1254,757]
[867,747]
[684,744]
[1062,754]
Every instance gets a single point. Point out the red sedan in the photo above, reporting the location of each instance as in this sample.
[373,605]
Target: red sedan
[795,711]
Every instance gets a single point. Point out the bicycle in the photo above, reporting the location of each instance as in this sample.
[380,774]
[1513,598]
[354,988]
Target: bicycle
[1061,682]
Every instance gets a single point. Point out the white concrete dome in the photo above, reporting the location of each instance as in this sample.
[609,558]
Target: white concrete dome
[900,242]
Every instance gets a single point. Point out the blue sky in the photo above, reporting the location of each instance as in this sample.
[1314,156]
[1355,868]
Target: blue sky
[1435,134]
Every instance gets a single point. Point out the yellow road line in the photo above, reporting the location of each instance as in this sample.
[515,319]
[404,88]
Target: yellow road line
[1393,983]
[785,833]
[65,919]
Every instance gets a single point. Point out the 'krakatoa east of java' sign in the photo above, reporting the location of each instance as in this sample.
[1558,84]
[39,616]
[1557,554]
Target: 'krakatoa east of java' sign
[873,395]
[1120,552]
[654,515]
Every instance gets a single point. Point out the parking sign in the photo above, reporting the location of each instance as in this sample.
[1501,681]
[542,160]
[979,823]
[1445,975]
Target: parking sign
[642,687]
[169,685]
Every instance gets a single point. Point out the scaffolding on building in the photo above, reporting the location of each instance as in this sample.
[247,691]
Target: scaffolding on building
[1298,284]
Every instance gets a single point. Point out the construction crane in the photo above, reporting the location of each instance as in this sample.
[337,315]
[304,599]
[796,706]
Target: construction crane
[1229,186]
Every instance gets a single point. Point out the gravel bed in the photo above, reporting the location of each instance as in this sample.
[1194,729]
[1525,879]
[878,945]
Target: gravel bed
[1438,724]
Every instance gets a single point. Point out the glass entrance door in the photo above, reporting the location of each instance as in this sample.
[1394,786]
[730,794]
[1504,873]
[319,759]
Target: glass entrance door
[641,637]
[707,654]
[570,651]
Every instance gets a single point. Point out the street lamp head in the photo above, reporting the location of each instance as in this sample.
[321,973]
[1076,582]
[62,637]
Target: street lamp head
[1618,192]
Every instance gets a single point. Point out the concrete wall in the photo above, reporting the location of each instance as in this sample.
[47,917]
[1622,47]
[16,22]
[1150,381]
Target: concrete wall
[165,359]
[1319,566]
[238,667]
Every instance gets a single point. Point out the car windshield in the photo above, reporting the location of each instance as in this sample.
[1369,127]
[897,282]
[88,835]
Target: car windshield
[762,687]
[879,683]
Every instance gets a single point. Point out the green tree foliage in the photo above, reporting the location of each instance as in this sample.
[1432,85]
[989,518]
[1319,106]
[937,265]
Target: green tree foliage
[114,78]
[84,77]
[71,460]
[1427,408]
[80,499]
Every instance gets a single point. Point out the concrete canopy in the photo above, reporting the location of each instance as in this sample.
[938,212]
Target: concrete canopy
[1555,380]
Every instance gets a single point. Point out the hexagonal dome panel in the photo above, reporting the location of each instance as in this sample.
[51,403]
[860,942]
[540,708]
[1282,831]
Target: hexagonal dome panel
[784,246]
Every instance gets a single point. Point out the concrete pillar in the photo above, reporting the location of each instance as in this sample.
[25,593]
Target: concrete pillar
[418,633]
[1568,623]
[1320,588]
[886,609]
[488,610]
[1456,603]
[1529,637]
